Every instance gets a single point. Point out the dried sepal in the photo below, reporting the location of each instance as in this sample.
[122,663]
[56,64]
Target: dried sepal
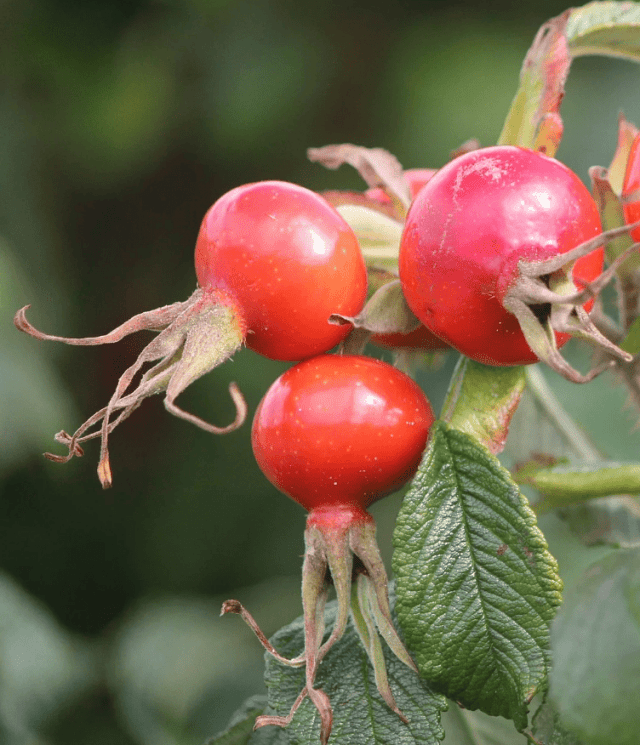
[235,606]
[386,312]
[332,540]
[362,540]
[378,168]
[365,626]
[467,146]
[340,199]
[548,284]
[194,337]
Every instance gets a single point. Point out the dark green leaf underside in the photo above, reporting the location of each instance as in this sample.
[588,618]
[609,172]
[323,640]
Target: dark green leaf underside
[595,680]
[546,728]
[476,585]
[464,727]
[359,713]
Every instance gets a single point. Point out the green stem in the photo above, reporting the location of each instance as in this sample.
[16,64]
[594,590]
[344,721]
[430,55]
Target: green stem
[554,410]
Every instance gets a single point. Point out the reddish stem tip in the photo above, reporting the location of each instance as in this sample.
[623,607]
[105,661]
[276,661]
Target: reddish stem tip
[231,606]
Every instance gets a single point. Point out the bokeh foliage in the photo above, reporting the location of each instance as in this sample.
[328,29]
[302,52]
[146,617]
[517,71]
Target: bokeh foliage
[120,123]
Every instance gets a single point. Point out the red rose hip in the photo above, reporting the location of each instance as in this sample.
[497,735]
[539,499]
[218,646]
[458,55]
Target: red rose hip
[274,260]
[495,251]
[341,430]
[335,433]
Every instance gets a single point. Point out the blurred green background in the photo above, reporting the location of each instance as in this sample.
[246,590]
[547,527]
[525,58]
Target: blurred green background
[120,124]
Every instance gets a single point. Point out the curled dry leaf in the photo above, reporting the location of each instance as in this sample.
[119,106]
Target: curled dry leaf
[378,168]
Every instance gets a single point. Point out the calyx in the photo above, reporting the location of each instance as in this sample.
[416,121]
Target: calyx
[333,537]
[194,337]
[549,284]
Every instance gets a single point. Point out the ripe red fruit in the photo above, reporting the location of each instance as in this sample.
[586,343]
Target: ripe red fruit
[336,433]
[631,186]
[420,338]
[340,430]
[274,261]
[482,257]
[285,260]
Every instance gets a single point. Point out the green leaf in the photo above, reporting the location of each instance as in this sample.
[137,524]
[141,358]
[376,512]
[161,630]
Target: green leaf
[43,667]
[572,554]
[35,403]
[346,676]
[269,736]
[631,343]
[240,727]
[541,426]
[464,727]
[606,28]
[595,680]
[547,728]
[476,585]
[175,667]
[536,106]
[481,401]
[571,484]
[612,521]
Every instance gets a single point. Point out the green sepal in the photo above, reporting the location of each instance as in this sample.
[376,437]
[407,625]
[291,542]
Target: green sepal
[627,133]
[537,101]
[476,585]
[378,234]
[612,216]
[631,342]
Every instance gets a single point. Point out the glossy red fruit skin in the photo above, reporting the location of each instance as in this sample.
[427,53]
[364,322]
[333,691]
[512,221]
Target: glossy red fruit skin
[286,260]
[632,184]
[341,430]
[420,338]
[467,230]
